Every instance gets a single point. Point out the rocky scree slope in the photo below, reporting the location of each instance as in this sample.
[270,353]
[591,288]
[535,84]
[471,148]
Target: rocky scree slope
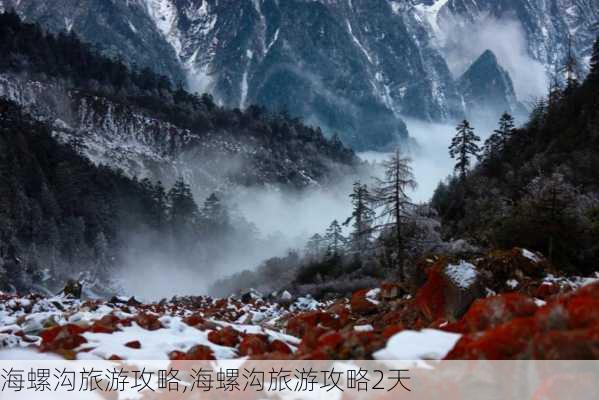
[501,305]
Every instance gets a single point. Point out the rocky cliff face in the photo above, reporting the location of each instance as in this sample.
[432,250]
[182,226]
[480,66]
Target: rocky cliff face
[488,89]
[356,67]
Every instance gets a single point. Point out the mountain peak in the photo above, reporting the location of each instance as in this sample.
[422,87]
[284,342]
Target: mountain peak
[487,86]
[487,56]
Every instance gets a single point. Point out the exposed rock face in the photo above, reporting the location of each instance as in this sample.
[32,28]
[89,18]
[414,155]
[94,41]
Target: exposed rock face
[354,67]
[488,89]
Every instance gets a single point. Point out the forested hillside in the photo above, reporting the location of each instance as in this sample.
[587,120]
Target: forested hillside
[136,120]
[101,163]
[533,187]
[536,186]
[58,210]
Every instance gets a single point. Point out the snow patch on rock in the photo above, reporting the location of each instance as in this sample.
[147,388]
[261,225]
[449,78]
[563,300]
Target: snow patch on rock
[462,274]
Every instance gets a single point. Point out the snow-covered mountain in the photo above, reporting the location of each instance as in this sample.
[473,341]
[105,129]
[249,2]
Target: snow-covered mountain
[130,138]
[549,26]
[356,67]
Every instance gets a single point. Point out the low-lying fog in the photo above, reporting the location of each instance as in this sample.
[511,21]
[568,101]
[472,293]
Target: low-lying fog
[285,219]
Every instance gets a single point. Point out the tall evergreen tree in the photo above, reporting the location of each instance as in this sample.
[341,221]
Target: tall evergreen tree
[570,69]
[160,199]
[314,245]
[183,211]
[464,147]
[362,216]
[391,194]
[496,143]
[334,238]
[215,214]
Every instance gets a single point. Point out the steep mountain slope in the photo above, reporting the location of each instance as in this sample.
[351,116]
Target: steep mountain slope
[354,67]
[121,29]
[61,217]
[488,89]
[136,122]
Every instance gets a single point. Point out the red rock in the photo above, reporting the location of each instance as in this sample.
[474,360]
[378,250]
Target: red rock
[194,320]
[512,340]
[224,337]
[177,355]
[279,346]
[60,331]
[106,324]
[492,311]
[309,340]
[114,357]
[591,291]
[567,328]
[148,321]
[341,312]
[581,344]
[583,312]
[61,338]
[330,339]
[360,304]
[253,345]
[315,355]
[430,299]
[220,303]
[303,322]
[134,344]
[546,290]
[200,352]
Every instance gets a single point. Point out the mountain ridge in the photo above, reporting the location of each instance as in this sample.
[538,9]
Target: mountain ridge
[389,57]
[135,122]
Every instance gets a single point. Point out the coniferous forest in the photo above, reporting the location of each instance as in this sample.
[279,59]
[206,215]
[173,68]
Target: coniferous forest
[277,239]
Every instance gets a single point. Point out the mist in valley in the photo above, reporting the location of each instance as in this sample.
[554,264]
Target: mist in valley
[283,220]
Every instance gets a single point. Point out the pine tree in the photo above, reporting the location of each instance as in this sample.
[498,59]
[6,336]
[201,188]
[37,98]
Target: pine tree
[314,245]
[334,238]
[570,69]
[497,142]
[362,216]
[538,113]
[555,90]
[215,215]
[550,203]
[183,211]
[464,147]
[391,194]
[160,207]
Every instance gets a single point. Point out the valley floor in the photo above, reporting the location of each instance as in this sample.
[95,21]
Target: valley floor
[524,311]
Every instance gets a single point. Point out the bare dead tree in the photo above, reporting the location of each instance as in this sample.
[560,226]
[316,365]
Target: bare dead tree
[391,194]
